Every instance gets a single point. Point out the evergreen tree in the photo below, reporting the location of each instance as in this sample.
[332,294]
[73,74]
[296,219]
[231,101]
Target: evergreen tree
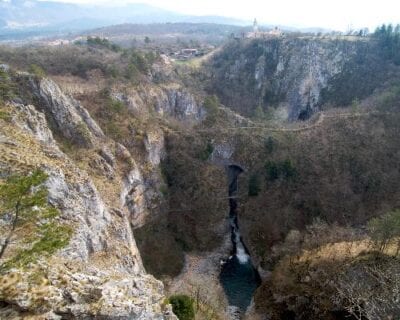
[182,306]
[254,185]
[23,204]
[18,200]
[259,113]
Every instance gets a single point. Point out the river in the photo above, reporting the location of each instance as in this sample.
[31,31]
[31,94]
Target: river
[238,276]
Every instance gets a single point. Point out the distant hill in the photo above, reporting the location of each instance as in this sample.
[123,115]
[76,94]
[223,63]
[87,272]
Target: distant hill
[21,19]
[160,29]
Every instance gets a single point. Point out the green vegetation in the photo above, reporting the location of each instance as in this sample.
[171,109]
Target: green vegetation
[37,71]
[5,116]
[139,61]
[276,170]
[206,152]
[254,185]
[288,171]
[183,307]
[385,229]
[272,171]
[103,43]
[388,37]
[82,61]
[23,199]
[259,113]
[211,104]
[83,133]
[52,237]
[6,86]
[270,145]
[390,99]
[115,106]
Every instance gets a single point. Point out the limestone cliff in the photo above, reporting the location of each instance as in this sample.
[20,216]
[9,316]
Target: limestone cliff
[169,100]
[100,272]
[287,76]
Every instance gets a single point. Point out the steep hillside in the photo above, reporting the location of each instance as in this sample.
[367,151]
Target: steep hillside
[291,78]
[94,269]
[134,149]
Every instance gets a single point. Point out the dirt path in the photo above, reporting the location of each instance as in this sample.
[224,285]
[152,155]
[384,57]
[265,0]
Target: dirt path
[322,117]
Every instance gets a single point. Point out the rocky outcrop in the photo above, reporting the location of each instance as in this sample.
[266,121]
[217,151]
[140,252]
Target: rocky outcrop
[171,100]
[133,197]
[222,153]
[180,104]
[306,72]
[81,205]
[287,73]
[34,123]
[99,274]
[60,291]
[66,115]
[80,202]
[155,146]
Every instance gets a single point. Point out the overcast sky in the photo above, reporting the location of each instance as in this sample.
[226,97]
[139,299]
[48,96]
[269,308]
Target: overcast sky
[336,14]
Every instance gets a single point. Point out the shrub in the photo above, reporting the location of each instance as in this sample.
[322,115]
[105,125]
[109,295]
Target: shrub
[272,171]
[385,229]
[211,104]
[288,171]
[182,306]
[284,170]
[83,133]
[6,86]
[390,98]
[140,61]
[206,152]
[105,43]
[115,106]
[23,199]
[270,145]
[259,113]
[114,130]
[5,116]
[254,185]
[37,71]
[132,72]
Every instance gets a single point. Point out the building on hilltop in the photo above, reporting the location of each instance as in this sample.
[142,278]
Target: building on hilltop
[256,33]
[255,26]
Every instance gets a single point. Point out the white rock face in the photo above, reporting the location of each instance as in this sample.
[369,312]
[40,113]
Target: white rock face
[180,104]
[71,120]
[287,73]
[81,204]
[133,197]
[311,66]
[222,153]
[92,294]
[155,146]
[172,101]
[35,123]
[99,274]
